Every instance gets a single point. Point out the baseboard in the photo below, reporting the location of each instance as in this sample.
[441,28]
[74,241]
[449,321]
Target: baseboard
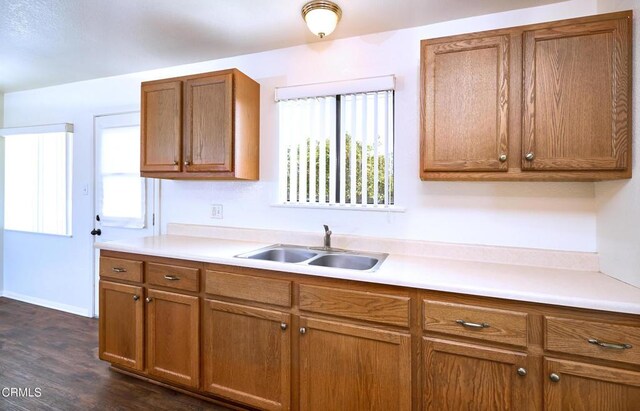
[47,303]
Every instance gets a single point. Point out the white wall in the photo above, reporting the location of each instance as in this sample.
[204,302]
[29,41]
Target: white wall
[618,202]
[539,215]
[1,197]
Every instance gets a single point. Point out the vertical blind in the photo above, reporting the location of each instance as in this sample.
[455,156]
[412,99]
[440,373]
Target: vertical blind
[37,183]
[337,149]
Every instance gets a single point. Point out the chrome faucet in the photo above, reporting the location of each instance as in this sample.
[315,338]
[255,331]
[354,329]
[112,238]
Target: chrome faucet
[327,237]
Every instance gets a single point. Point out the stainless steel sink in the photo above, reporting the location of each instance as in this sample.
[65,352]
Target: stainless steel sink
[284,255]
[318,256]
[352,262]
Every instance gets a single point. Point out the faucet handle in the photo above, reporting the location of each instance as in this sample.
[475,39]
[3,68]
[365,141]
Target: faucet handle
[326,229]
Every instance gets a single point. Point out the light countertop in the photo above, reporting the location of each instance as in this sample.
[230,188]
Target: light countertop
[572,288]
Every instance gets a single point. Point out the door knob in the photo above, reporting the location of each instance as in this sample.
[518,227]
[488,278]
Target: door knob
[96,232]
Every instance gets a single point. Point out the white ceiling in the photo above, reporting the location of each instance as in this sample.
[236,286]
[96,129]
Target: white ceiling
[47,42]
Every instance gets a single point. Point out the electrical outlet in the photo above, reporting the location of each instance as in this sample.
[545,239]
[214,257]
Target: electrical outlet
[216,211]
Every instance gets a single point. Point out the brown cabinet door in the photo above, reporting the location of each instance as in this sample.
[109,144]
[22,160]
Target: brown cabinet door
[465,105]
[579,386]
[161,126]
[121,324]
[173,337]
[208,126]
[577,97]
[246,354]
[459,376]
[347,367]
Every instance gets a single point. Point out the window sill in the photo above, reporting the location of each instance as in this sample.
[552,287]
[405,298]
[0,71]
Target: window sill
[346,207]
[8,230]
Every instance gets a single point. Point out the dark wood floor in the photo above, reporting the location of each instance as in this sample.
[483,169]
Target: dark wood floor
[58,353]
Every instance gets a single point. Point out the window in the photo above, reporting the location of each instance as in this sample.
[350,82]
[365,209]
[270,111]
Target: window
[337,149]
[120,191]
[38,179]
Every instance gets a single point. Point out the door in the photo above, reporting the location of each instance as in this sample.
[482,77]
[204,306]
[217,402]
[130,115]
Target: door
[466,105]
[572,385]
[121,324]
[208,133]
[246,354]
[459,376]
[125,205]
[173,336]
[577,97]
[161,130]
[348,367]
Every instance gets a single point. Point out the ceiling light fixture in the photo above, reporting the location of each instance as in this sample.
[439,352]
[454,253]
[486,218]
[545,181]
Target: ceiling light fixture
[321,17]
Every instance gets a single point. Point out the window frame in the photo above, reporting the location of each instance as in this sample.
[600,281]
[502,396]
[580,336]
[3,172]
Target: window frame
[338,91]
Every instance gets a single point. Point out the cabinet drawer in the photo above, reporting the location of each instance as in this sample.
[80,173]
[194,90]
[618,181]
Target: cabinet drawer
[490,324]
[121,269]
[592,339]
[359,305]
[173,276]
[248,287]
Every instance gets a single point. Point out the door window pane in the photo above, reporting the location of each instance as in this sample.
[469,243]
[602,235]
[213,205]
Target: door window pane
[121,192]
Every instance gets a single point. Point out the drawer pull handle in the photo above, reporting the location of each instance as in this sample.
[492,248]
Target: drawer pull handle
[612,346]
[171,277]
[119,270]
[472,325]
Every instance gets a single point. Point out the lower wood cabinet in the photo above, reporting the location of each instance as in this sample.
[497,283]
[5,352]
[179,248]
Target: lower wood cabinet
[460,376]
[121,326]
[348,367]
[173,338]
[570,385]
[279,341]
[246,354]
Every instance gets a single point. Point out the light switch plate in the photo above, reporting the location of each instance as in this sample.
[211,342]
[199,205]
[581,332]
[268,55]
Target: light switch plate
[216,211]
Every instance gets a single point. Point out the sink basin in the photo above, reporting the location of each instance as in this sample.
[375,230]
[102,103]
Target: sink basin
[318,256]
[352,262]
[283,255]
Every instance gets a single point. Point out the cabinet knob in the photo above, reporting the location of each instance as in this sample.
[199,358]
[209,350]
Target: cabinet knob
[136,297]
[176,162]
[522,371]
[502,158]
[283,326]
[303,330]
[148,299]
[186,163]
[554,377]
[529,156]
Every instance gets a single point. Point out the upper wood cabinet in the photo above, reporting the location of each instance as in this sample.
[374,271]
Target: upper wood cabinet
[466,105]
[543,102]
[576,96]
[203,126]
